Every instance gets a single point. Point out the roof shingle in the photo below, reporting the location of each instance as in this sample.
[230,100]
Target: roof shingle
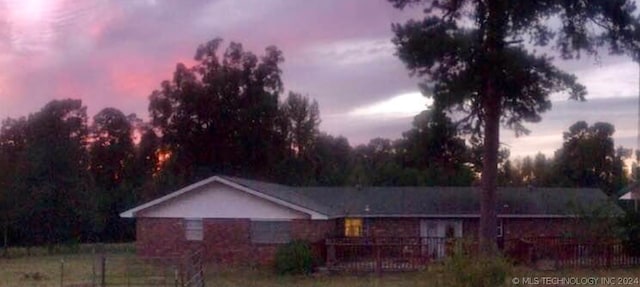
[436,201]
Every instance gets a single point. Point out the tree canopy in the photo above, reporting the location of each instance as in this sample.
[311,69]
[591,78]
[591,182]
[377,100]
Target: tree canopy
[588,158]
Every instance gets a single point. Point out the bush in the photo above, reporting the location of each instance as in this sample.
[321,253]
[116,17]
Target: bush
[467,269]
[294,257]
[629,232]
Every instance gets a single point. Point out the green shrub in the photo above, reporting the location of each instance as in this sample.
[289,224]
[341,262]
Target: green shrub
[463,269]
[294,257]
[629,232]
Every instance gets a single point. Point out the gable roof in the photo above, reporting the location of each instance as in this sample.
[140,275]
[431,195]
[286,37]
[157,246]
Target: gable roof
[332,202]
[630,192]
[286,198]
[283,192]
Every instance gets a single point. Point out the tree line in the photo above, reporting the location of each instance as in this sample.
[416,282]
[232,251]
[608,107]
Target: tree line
[64,178]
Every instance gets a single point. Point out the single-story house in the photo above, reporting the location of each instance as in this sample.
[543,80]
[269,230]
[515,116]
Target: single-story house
[237,220]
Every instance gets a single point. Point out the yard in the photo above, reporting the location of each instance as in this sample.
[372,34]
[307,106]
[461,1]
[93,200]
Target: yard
[45,270]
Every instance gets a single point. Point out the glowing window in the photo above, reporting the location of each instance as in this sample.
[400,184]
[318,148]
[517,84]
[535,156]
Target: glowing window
[353,227]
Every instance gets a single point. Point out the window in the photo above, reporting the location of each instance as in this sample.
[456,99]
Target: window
[270,231]
[353,227]
[193,229]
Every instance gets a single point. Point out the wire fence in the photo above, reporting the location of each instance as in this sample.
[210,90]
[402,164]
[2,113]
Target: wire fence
[102,266]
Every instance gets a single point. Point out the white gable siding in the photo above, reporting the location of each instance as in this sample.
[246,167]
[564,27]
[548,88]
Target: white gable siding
[217,200]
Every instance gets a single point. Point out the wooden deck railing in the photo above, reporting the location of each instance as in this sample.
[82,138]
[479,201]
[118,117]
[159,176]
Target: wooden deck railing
[384,253]
[376,254]
[571,252]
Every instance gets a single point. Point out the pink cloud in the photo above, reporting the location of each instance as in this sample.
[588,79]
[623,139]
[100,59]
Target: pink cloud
[68,86]
[137,75]
[131,77]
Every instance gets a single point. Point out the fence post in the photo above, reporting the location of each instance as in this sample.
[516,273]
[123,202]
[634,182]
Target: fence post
[609,252]
[175,277]
[331,252]
[93,266]
[127,270]
[556,258]
[376,249]
[62,272]
[103,263]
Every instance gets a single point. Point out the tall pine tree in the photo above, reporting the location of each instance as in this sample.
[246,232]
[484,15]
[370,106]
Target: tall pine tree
[473,57]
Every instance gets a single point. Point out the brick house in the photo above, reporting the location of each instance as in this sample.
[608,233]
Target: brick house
[241,221]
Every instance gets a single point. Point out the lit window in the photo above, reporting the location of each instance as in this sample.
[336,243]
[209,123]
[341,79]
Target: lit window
[193,229]
[353,227]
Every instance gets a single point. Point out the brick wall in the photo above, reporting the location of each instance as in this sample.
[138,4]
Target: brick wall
[159,236]
[228,241]
[389,227]
[225,241]
[312,230]
[528,227]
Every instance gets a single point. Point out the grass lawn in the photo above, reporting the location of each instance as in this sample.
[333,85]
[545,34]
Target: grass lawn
[78,271]
[432,277]
[46,270]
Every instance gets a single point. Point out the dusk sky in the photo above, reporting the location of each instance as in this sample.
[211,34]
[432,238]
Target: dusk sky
[115,53]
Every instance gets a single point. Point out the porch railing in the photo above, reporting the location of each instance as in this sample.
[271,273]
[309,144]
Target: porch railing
[376,254]
[385,253]
[571,252]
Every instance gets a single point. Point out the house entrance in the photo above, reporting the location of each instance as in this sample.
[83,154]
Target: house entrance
[436,233]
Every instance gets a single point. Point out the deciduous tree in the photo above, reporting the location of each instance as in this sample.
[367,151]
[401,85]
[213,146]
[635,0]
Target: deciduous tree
[588,158]
[220,115]
[13,142]
[55,176]
[112,156]
[434,147]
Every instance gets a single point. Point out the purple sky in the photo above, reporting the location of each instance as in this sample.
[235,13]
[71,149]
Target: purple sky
[114,53]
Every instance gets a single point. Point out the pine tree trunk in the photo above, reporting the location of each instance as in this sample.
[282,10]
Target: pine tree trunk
[491,105]
[488,214]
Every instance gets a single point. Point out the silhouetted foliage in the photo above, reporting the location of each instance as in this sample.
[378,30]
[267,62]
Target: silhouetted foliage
[221,114]
[588,158]
[55,177]
[13,142]
[434,147]
[630,232]
[112,156]
[298,125]
[430,153]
